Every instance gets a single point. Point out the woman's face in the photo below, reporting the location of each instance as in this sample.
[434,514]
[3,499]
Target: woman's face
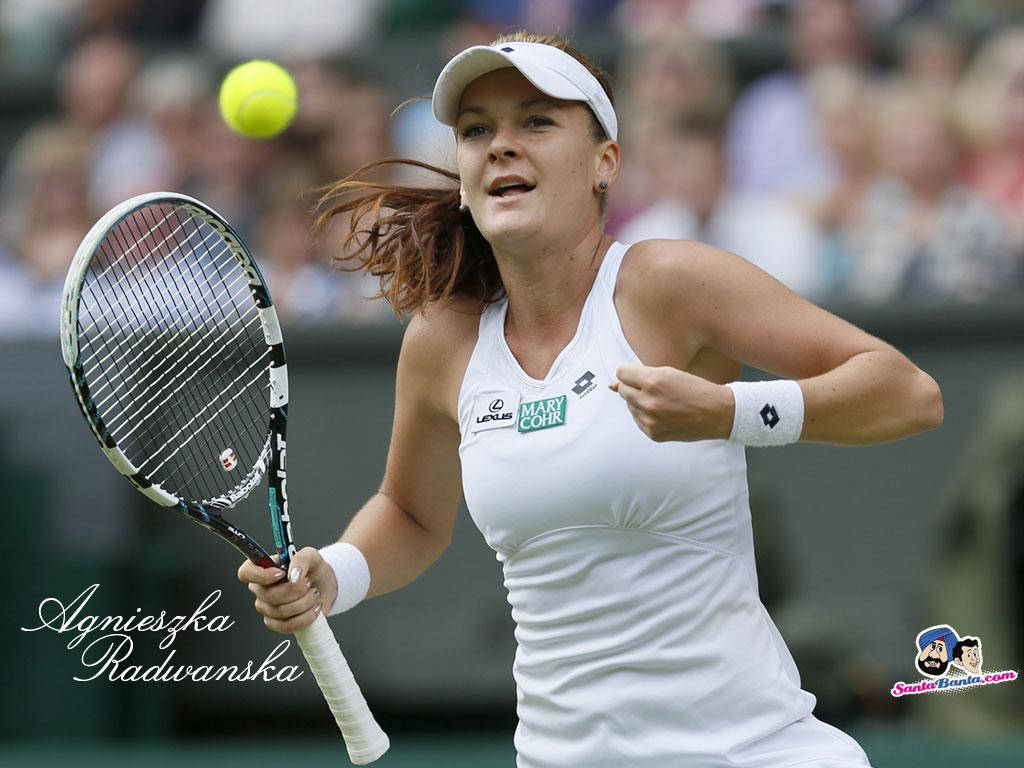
[529,163]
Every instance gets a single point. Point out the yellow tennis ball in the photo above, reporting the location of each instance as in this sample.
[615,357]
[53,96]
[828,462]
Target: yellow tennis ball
[258,99]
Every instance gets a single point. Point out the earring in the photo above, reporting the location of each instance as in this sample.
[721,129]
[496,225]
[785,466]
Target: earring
[603,186]
[462,199]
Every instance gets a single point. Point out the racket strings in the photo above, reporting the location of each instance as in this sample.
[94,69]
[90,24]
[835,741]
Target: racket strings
[200,273]
[163,354]
[173,348]
[161,315]
[125,275]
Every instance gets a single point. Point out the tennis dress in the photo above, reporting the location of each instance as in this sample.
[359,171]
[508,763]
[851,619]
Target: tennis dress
[629,566]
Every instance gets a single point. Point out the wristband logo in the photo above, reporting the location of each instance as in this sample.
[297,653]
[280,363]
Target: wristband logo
[949,662]
[769,416]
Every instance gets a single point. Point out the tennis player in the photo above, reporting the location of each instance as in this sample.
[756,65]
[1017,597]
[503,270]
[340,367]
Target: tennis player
[582,396]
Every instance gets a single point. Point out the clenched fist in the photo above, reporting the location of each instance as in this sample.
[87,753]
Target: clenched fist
[669,404]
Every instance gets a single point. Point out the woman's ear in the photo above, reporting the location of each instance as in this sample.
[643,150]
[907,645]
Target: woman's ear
[606,170]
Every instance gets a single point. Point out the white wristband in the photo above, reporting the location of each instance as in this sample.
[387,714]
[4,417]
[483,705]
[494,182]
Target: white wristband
[767,412]
[351,572]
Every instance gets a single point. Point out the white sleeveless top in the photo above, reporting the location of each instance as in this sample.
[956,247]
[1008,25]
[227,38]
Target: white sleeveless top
[629,565]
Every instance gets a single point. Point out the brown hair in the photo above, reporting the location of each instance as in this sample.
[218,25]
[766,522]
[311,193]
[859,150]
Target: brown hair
[417,240]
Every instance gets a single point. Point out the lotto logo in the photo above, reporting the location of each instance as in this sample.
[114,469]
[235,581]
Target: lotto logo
[770,416]
[584,384]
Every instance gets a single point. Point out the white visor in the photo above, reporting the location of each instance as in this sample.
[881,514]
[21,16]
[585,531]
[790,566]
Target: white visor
[551,70]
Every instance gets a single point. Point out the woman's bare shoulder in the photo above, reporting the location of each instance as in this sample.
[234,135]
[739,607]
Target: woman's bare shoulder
[661,267]
[438,343]
[658,296]
[439,327]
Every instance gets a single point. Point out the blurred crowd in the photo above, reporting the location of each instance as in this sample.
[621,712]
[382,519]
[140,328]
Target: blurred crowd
[859,150]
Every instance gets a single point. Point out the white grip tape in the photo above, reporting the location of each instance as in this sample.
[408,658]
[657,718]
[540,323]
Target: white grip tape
[364,738]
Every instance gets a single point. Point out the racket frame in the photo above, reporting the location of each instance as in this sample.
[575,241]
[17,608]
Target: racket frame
[271,461]
[364,738]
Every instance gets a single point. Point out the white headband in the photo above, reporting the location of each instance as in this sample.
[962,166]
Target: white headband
[551,70]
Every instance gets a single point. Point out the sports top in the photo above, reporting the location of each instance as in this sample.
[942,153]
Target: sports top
[629,565]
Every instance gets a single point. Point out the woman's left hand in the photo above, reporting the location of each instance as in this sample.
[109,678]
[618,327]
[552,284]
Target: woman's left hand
[669,404]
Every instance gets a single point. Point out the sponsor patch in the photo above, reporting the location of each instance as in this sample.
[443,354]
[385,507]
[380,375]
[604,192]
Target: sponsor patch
[494,410]
[542,414]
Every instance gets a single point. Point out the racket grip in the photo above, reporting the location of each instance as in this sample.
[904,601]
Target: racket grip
[363,737]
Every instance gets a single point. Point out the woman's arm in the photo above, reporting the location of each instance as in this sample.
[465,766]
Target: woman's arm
[857,389]
[404,527]
[409,523]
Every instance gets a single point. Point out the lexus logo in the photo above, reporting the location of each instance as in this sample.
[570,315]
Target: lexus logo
[496,405]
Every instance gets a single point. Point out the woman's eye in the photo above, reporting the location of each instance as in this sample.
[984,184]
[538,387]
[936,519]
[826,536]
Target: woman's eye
[540,120]
[470,131]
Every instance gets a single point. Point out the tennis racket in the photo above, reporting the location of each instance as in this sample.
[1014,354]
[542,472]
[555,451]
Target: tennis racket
[175,356]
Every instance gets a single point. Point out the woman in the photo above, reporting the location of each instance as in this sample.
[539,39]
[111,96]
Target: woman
[578,394]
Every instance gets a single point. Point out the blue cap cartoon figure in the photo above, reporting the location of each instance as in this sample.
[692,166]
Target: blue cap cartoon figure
[935,645]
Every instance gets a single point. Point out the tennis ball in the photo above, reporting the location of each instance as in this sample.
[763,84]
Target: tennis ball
[258,99]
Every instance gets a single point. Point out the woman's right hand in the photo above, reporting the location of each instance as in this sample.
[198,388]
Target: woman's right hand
[291,603]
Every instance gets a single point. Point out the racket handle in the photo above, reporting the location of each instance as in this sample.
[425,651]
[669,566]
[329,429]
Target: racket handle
[363,737]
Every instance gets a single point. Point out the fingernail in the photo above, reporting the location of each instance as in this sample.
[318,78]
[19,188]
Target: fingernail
[316,608]
[279,575]
[294,573]
[309,583]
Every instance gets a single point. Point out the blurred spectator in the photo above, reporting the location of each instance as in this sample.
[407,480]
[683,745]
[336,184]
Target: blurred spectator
[417,134]
[715,19]
[774,146]
[229,170]
[169,95]
[359,133]
[93,90]
[322,89]
[54,219]
[303,290]
[95,81]
[694,204]
[920,234]
[932,54]
[673,73]
[676,73]
[992,108]
[843,104]
[274,29]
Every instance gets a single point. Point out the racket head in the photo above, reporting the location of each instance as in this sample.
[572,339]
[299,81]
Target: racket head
[174,352]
